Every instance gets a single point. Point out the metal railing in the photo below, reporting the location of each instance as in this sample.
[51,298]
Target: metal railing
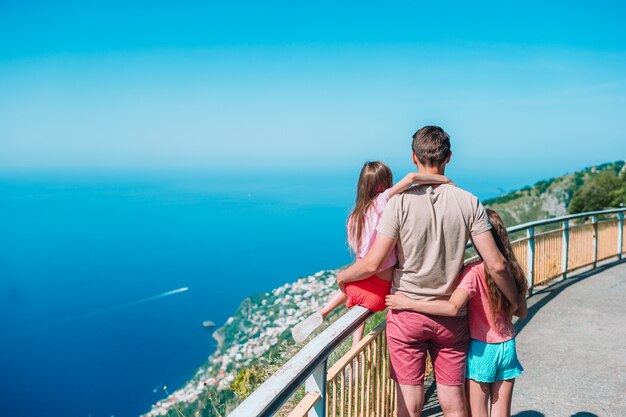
[358,382]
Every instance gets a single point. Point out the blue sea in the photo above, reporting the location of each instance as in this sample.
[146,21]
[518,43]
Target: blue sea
[105,279]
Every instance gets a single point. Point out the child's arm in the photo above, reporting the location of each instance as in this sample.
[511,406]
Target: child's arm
[417,178]
[496,263]
[458,299]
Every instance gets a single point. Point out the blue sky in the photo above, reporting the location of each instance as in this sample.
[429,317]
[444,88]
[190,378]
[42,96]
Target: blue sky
[318,85]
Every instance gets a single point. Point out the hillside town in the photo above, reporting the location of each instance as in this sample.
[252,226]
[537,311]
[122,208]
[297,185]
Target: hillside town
[260,322]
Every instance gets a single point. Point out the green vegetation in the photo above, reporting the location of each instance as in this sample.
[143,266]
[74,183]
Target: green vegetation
[506,198]
[602,191]
[542,186]
[218,403]
[247,379]
[592,188]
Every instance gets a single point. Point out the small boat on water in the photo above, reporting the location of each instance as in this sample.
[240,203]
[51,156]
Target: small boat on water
[208,324]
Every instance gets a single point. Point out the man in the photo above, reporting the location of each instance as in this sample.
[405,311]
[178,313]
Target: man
[431,225]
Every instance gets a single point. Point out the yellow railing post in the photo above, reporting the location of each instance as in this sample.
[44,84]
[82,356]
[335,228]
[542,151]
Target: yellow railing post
[594,221]
[565,248]
[620,235]
[531,259]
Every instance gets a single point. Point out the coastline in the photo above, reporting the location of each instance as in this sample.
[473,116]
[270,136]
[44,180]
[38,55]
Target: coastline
[219,338]
[261,323]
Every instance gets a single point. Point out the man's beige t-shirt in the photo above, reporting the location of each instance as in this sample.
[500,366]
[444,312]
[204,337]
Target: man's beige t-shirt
[432,226]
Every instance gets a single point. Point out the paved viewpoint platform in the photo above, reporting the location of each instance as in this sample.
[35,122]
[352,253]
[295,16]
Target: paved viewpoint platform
[573,348]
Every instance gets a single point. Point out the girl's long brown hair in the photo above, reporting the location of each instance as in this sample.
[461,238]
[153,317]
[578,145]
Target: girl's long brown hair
[497,300]
[375,177]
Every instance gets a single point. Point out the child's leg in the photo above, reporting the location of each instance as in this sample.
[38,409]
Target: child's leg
[501,395]
[302,330]
[478,398]
[358,334]
[335,301]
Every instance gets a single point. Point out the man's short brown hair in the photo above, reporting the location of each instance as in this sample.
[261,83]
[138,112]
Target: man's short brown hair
[431,145]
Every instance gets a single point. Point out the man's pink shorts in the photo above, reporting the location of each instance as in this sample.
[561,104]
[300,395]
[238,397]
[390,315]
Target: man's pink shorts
[410,335]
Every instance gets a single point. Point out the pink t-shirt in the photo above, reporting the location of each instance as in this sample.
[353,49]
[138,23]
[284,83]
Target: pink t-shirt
[481,325]
[368,236]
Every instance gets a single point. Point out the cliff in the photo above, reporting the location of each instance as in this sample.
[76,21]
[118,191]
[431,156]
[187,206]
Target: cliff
[260,328]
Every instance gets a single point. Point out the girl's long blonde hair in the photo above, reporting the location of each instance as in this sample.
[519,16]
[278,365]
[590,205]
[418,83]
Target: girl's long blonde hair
[375,177]
[497,300]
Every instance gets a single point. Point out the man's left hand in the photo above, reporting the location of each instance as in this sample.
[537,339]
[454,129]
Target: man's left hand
[398,301]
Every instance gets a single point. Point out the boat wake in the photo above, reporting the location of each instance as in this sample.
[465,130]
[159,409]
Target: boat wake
[87,312]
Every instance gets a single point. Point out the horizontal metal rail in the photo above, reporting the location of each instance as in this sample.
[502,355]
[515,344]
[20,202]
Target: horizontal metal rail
[277,389]
[308,366]
[545,222]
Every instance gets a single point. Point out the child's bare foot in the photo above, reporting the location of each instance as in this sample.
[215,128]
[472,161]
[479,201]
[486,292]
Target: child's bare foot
[307,326]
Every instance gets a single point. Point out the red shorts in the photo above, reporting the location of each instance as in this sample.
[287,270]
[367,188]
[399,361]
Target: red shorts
[410,335]
[369,293]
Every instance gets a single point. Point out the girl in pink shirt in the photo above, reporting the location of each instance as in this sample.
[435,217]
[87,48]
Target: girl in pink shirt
[492,363]
[374,189]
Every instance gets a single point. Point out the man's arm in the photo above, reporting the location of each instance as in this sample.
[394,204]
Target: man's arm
[371,263]
[497,266]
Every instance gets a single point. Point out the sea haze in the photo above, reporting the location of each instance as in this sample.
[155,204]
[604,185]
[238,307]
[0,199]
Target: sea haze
[94,313]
